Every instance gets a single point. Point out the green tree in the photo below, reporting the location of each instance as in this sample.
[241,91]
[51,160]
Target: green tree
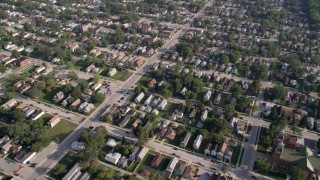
[218,138]
[76,93]
[230,112]
[97,98]
[67,88]
[266,141]
[8,95]
[263,165]
[73,75]
[297,173]
[60,169]
[295,129]
[236,91]
[18,115]
[204,132]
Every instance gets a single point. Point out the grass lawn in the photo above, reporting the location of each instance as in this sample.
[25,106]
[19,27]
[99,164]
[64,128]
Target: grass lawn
[168,109]
[235,154]
[133,166]
[47,97]
[68,160]
[146,161]
[6,85]
[122,75]
[60,131]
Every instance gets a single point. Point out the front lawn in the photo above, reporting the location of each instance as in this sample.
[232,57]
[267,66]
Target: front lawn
[62,130]
[235,155]
[69,160]
[122,75]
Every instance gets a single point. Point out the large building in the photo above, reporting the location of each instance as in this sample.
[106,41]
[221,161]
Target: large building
[290,151]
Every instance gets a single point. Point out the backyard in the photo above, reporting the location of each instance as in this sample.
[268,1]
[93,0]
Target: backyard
[122,75]
[69,160]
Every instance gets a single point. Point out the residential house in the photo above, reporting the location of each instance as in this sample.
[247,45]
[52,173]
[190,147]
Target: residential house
[143,151]
[207,95]
[151,83]
[96,86]
[228,154]
[156,161]
[136,123]
[54,121]
[39,69]
[139,97]
[25,87]
[72,173]
[179,114]
[171,134]
[162,131]
[75,103]
[25,156]
[180,167]
[233,122]
[30,111]
[217,99]
[197,142]
[37,115]
[162,104]
[111,143]
[318,125]
[9,104]
[149,99]
[112,72]
[172,164]
[123,162]
[185,140]
[310,122]
[223,148]
[6,147]
[112,157]
[86,107]
[145,172]
[207,150]
[204,115]
[190,172]
[125,120]
[58,97]
[193,112]
[183,91]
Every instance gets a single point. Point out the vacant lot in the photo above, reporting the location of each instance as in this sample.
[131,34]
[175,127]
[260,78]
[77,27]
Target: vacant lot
[122,75]
[68,161]
[60,131]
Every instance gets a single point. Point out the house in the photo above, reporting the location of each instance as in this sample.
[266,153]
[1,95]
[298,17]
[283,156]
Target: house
[228,154]
[39,69]
[183,91]
[143,151]
[112,72]
[207,150]
[180,167]
[310,122]
[223,148]
[24,156]
[111,143]
[75,103]
[197,142]
[171,134]
[207,95]
[30,111]
[123,162]
[54,121]
[25,87]
[156,161]
[23,62]
[179,114]
[112,157]
[172,164]
[145,172]
[185,140]
[77,145]
[318,125]
[149,99]
[193,112]
[86,107]
[138,62]
[37,115]
[96,86]
[204,115]
[162,131]
[6,147]
[58,97]
[72,173]
[124,109]
[151,83]
[139,97]
[217,99]
[10,104]
[125,120]
[136,123]
[190,172]
[162,104]
[233,122]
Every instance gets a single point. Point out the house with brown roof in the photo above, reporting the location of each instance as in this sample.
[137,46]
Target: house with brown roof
[54,121]
[190,172]
[156,161]
[151,83]
[223,148]
[162,132]
[171,134]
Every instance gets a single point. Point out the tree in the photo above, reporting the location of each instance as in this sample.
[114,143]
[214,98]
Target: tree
[103,175]
[67,88]
[229,112]
[154,176]
[204,132]
[295,129]
[97,98]
[297,173]
[218,138]
[34,92]
[266,141]
[188,106]
[60,169]
[76,93]
[8,95]
[166,93]
[18,115]
[73,75]
[236,91]
[96,78]
[278,92]
[261,71]
[83,85]
[263,165]
[282,123]
[150,117]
